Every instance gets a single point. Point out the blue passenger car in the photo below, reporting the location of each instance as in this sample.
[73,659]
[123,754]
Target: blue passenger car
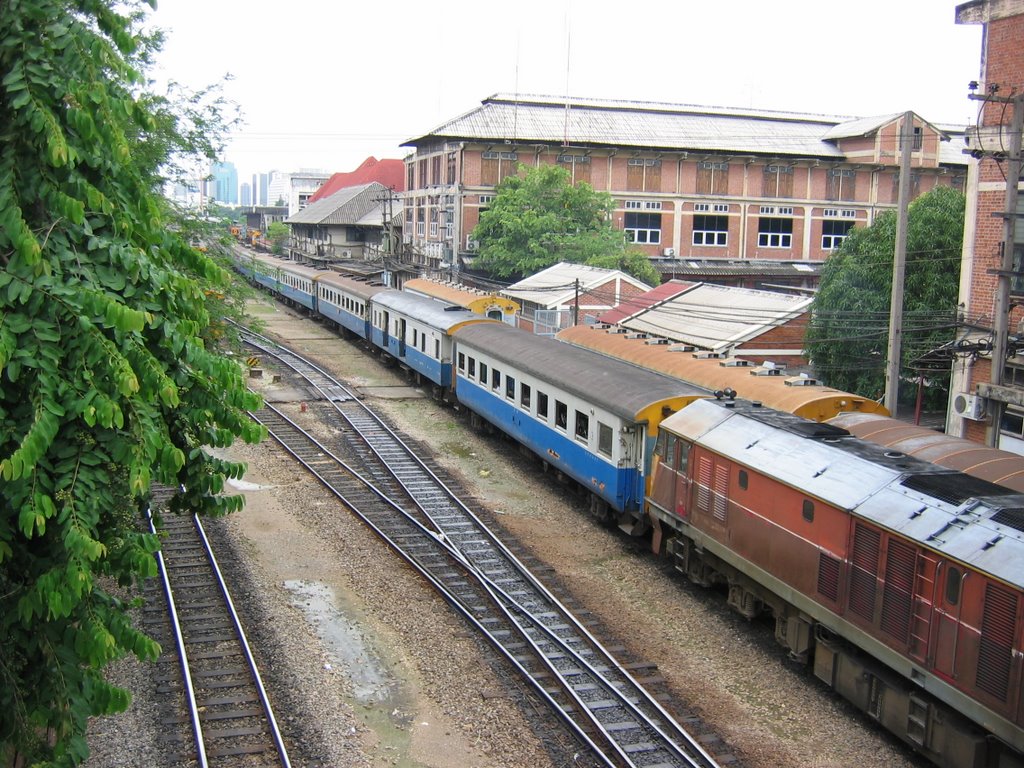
[346,301]
[417,330]
[591,417]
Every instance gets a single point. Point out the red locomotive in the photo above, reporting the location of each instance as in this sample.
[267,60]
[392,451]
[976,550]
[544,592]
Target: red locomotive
[899,581]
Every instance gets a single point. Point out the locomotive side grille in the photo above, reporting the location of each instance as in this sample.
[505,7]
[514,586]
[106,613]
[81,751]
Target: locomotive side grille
[828,577]
[899,584]
[721,493]
[863,582]
[996,648]
[704,485]
[1014,518]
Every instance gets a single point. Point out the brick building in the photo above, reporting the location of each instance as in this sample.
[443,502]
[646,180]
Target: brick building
[987,403]
[694,187]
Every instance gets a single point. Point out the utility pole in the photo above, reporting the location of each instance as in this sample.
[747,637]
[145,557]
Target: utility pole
[576,304]
[1001,311]
[899,262]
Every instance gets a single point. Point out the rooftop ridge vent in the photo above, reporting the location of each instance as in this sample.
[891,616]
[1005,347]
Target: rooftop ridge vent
[767,372]
[708,355]
[658,342]
[683,348]
[736,363]
[802,381]
[636,336]
[617,330]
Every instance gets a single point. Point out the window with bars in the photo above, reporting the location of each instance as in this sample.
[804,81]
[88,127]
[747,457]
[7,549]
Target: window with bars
[710,230]
[644,228]
[833,233]
[774,233]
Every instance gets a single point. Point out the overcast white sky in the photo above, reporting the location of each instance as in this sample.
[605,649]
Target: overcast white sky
[325,84]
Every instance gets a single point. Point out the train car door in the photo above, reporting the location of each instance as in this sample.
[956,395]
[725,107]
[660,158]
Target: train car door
[385,329]
[402,329]
[671,484]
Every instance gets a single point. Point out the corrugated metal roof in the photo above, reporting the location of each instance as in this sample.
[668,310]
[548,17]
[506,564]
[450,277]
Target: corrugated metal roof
[640,303]
[577,121]
[971,458]
[811,402]
[723,268]
[717,317]
[346,206]
[556,285]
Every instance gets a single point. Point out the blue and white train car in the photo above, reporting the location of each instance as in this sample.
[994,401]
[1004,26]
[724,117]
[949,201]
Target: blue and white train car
[346,301]
[589,416]
[297,284]
[417,332]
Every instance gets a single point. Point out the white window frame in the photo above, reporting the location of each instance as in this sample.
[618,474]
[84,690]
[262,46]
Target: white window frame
[775,239]
[710,237]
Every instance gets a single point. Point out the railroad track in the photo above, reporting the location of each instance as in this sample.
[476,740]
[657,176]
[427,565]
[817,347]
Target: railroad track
[222,715]
[374,472]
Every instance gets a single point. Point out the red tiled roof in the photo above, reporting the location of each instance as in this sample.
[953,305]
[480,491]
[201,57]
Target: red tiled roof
[390,173]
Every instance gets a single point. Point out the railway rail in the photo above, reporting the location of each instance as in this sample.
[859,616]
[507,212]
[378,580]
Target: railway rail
[382,480]
[222,697]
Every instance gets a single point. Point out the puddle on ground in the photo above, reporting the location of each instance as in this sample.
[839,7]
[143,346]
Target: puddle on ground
[380,699]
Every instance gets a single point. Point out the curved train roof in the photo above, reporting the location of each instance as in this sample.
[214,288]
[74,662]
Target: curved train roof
[965,518]
[288,266]
[476,301]
[360,288]
[431,312]
[810,401]
[1002,467]
[618,387]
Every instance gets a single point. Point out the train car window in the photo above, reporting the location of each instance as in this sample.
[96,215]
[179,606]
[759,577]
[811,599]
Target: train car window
[472,366]
[604,439]
[423,345]
[954,578]
[742,479]
[542,406]
[495,378]
[582,426]
[683,449]
[661,447]
[808,510]
[437,348]
[462,361]
[524,396]
[415,337]
[510,388]
[561,414]
[483,373]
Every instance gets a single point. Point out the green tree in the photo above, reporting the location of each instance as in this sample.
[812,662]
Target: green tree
[107,378]
[278,234]
[847,338]
[540,218]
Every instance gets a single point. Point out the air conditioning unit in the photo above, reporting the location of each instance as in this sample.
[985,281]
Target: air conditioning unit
[969,406]
[472,245]
[668,253]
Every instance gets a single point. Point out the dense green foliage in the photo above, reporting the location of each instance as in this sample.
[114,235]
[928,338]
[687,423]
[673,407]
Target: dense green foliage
[278,234]
[107,384]
[540,218]
[847,339]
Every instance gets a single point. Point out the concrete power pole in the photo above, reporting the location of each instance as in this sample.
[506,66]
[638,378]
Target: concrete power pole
[899,262]
[1001,311]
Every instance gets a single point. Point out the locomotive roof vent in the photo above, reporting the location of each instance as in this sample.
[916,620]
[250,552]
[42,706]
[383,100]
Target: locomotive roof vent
[1013,518]
[803,380]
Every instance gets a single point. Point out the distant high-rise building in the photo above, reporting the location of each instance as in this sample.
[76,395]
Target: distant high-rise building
[246,193]
[264,198]
[225,180]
